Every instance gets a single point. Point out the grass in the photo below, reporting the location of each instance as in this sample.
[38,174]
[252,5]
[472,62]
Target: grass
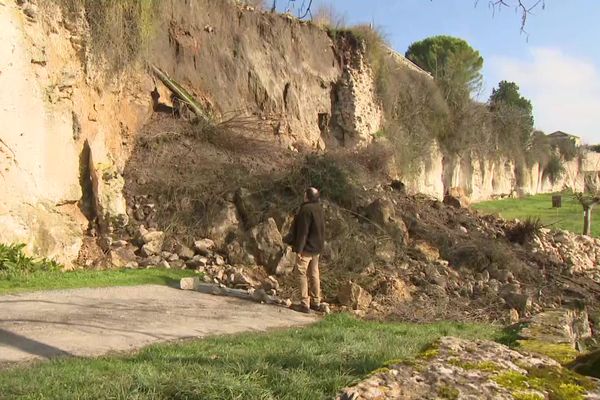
[310,363]
[47,280]
[569,217]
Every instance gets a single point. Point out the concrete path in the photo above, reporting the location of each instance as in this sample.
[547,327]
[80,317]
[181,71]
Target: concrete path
[92,322]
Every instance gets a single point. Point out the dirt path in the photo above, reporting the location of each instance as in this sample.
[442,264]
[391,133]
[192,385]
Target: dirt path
[91,322]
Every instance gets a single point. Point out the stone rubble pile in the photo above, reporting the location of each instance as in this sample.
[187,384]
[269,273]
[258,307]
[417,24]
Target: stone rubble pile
[579,253]
[423,260]
[461,369]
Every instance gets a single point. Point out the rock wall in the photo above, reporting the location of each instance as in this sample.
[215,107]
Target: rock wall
[51,111]
[483,179]
[68,129]
[287,72]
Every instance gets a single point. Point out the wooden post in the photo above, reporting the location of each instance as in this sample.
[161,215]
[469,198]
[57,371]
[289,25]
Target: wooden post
[556,201]
[587,219]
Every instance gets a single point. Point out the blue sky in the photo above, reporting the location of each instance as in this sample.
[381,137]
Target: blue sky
[557,64]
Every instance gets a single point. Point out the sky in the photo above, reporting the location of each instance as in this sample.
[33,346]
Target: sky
[556,63]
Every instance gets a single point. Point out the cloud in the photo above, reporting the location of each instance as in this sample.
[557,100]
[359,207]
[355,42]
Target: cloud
[564,90]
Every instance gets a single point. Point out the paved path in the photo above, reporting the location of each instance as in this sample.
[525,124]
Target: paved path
[91,322]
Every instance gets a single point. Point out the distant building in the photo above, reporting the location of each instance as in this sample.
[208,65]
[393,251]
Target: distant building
[560,136]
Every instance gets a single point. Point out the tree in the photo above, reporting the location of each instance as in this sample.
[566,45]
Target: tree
[451,61]
[588,198]
[513,113]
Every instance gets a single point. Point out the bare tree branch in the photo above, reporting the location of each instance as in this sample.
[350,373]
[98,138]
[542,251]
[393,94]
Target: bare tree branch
[523,7]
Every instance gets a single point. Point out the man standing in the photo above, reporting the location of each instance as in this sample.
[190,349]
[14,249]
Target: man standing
[307,238]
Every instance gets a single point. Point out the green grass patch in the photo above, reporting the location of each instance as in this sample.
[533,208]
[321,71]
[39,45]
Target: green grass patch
[310,363]
[569,217]
[47,280]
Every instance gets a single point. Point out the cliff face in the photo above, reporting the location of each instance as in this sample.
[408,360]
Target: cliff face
[69,130]
[483,179]
[49,110]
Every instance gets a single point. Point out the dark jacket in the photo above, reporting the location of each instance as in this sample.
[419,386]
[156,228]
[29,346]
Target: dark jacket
[307,234]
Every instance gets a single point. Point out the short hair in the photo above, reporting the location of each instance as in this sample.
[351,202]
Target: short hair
[312,194]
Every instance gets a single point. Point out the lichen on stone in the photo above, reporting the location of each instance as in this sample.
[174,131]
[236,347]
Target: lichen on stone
[561,352]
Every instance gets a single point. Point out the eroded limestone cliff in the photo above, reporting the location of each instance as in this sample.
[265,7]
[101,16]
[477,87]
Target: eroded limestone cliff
[70,126]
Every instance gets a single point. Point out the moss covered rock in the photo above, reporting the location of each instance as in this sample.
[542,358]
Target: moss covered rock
[460,369]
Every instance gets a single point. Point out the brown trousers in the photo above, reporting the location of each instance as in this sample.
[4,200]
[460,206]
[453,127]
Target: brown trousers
[307,268]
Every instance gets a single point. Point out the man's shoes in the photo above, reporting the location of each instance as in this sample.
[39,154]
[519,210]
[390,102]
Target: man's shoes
[321,307]
[301,308]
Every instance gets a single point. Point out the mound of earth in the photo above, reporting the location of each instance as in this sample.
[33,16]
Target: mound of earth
[388,255]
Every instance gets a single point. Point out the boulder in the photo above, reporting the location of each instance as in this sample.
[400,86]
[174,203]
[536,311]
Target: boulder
[286,263]
[196,262]
[396,289]
[238,254]
[223,223]
[380,211]
[151,236]
[189,283]
[513,316]
[151,241]
[177,264]
[383,213]
[558,326]
[267,241]
[353,296]
[105,242]
[152,261]
[270,284]
[241,279]
[219,260]
[246,207]
[520,302]
[107,186]
[456,197]
[454,368]
[123,257]
[150,249]
[385,251]
[204,247]
[430,253]
[184,252]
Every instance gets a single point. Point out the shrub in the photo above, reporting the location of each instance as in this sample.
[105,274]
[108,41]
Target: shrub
[554,168]
[326,174]
[14,262]
[524,231]
[595,148]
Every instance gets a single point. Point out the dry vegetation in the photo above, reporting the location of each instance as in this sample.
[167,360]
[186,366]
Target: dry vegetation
[418,113]
[120,30]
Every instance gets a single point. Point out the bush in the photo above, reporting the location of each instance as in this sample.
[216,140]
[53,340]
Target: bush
[568,150]
[524,231]
[14,262]
[326,174]
[554,168]
[595,148]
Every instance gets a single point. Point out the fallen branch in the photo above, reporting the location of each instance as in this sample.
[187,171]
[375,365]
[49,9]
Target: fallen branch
[180,92]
